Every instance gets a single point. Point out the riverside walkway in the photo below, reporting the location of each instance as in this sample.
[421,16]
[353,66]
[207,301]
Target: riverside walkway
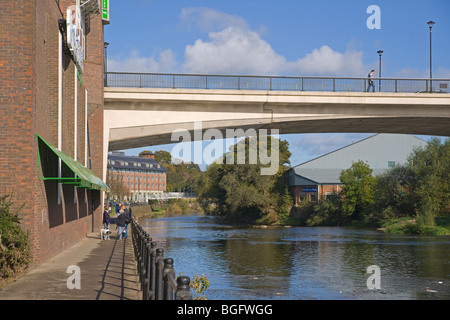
[107,272]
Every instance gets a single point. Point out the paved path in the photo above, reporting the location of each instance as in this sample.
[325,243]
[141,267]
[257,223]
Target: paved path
[107,272]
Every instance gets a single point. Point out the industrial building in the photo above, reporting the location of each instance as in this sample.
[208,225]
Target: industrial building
[319,177]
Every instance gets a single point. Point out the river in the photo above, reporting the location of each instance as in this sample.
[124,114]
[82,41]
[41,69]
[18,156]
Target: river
[290,263]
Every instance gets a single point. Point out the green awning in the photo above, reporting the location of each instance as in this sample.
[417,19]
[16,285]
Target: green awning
[72,172]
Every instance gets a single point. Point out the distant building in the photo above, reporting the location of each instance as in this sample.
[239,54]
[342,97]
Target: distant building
[140,176]
[317,178]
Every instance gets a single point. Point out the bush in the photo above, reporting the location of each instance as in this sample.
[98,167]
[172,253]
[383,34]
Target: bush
[14,243]
[407,226]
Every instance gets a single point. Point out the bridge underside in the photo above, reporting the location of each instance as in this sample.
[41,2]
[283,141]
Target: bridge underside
[144,117]
[162,134]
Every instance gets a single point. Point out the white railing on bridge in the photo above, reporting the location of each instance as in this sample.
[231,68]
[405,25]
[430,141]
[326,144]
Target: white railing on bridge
[171,195]
[273,83]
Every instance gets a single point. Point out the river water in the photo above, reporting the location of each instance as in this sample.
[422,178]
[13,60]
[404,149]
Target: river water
[281,263]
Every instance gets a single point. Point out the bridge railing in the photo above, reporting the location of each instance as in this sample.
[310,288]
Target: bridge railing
[156,273]
[269,83]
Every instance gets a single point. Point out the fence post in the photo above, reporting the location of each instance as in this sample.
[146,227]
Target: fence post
[169,271]
[153,270]
[159,275]
[183,288]
[146,286]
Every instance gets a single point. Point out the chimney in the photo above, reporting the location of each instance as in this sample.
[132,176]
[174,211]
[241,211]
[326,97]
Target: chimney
[148,155]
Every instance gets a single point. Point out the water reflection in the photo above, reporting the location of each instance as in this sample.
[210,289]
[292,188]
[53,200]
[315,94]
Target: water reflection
[303,263]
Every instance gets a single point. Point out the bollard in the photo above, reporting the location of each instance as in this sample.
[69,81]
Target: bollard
[169,272]
[183,288]
[159,283]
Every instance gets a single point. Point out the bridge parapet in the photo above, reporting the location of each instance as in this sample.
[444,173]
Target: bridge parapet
[273,83]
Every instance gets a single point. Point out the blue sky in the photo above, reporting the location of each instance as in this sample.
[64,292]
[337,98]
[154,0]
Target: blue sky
[285,37]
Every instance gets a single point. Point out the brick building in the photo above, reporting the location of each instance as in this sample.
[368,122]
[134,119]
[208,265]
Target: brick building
[140,177]
[315,179]
[51,107]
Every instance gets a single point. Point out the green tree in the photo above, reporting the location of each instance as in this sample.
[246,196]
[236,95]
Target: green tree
[358,194]
[431,167]
[163,157]
[394,196]
[240,190]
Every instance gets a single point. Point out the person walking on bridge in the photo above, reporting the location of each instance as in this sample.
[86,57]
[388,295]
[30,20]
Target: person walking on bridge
[370,79]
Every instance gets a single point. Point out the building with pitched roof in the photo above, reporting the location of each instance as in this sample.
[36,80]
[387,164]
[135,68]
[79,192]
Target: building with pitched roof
[140,177]
[319,177]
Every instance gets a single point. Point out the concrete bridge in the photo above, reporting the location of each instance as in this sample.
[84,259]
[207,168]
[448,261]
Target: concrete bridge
[137,116]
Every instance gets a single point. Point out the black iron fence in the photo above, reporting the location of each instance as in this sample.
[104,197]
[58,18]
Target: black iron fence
[156,273]
[229,82]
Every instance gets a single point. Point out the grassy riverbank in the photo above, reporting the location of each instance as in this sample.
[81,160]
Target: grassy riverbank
[173,207]
[411,226]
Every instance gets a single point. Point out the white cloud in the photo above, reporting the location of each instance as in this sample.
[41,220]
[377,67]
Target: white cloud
[235,49]
[165,62]
[326,61]
[208,19]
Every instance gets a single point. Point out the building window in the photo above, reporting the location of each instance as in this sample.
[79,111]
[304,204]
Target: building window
[391,164]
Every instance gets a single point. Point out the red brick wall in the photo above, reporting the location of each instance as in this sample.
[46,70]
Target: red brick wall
[29,105]
[322,189]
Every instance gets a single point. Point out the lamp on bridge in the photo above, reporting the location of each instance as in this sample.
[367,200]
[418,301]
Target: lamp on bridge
[380,52]
[430,25]
[106,44]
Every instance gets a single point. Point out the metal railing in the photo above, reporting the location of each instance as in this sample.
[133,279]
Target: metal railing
[269,83]
[156,273]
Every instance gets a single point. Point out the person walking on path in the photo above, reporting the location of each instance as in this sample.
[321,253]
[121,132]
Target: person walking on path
[106,218]
[127,219]
[370,79]
[120,223]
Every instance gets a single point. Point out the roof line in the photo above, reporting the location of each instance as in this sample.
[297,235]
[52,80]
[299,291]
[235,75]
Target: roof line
[349,145]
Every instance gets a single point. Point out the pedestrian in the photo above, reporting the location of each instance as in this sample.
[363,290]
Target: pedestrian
[106,218]
[370,79]
[127,218]
[120,223]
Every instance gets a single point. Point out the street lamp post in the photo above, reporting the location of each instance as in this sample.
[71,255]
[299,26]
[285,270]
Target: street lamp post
[380,52]
[106,44]
[430,25]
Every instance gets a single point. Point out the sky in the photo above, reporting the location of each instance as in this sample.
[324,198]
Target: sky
[284,37]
